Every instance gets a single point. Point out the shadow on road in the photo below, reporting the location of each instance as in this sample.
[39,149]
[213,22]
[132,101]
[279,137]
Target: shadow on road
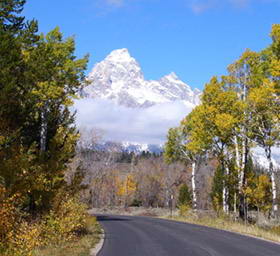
[108,218]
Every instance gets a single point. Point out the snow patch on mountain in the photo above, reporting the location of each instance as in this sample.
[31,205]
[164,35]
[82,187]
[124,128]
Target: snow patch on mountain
[139,148]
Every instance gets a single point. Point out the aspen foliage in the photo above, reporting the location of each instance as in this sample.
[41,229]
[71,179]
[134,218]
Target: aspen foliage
[258,192]
[126,187]
[238,112]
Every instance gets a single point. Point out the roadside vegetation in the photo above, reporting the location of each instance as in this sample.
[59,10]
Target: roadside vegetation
[238,114]
[80,245]
[39,201]
[228,223]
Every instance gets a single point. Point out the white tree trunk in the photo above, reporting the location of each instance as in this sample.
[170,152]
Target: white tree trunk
[274,193]
[242,167]
[194,185]
[237,155]
[244,146]
[225,194]
[167,198]
[273,181]
[44,130]
[239,172]
[235,200]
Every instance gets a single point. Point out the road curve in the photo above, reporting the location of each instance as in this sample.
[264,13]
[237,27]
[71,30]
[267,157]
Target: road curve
[144,236]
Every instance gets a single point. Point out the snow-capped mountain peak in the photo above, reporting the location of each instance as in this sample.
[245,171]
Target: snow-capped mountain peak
[172,76]
[120,55]
[119,78]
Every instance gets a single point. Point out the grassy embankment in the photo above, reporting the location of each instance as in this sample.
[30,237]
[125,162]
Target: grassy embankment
[226,223]
[80,246]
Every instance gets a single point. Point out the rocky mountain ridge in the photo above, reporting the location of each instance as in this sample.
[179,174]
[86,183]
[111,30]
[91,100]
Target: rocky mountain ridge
[119,78]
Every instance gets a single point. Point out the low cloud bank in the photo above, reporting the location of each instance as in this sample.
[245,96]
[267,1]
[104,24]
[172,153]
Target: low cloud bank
[140,125]
[259,157]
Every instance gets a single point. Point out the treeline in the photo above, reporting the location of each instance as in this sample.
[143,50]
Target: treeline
[118,156]
[39,76]
[122,179]
[147,182]
[239,113]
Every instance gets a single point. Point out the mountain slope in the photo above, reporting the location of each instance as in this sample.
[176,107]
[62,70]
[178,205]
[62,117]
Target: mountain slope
[119,78]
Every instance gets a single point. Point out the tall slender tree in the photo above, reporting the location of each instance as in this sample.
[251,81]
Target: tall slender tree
[39,77]
[176,149]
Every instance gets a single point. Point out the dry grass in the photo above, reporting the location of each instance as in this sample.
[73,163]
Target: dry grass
[225,223]
[79,247]
[131,211]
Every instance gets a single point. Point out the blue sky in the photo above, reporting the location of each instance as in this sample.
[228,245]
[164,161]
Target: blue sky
[194,38]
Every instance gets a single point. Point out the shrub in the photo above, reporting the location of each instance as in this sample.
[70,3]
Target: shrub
[183,210]
[20,234]
[65,223]
[78,247]
[136,203]
[8,215]
[184,197]
[17,237]
[24,239]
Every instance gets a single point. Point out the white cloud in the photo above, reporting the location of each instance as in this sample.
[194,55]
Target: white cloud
[116,3]
[241,3]
[141,125]
[259,157]
[200,6]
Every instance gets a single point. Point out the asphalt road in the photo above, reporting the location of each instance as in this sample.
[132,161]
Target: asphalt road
[144,236]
